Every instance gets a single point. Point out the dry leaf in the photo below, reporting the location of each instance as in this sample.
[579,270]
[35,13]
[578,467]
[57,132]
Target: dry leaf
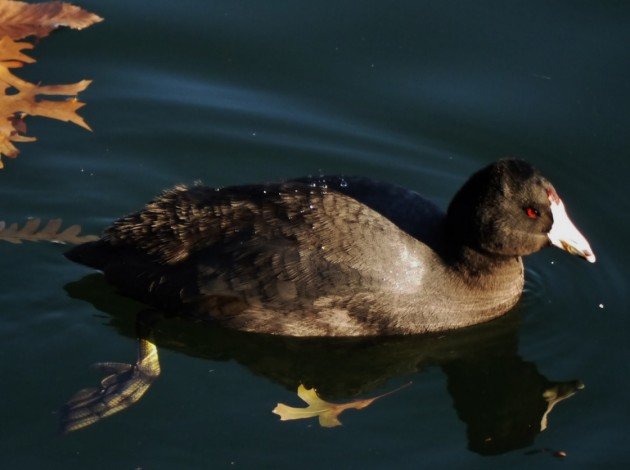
[29,99]
[19,98]
[327,412]
[124,386]
[19,19]
[50,232]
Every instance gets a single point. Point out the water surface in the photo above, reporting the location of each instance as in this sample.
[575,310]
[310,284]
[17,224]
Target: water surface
[417,93]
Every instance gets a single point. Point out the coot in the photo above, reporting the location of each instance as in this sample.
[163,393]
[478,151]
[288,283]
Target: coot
[337,256]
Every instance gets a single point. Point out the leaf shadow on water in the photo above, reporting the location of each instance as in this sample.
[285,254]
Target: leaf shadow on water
[503,400]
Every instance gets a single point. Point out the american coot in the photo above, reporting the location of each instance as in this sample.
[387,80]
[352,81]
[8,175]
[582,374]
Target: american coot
[337,256]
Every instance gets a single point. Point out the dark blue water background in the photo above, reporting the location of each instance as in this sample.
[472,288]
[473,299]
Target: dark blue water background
[418,93]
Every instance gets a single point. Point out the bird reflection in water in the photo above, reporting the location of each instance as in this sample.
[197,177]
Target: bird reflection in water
[504,400]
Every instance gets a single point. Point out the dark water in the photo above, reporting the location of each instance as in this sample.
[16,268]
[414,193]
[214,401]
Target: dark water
[416,93]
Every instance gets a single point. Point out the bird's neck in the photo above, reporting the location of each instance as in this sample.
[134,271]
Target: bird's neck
[478,266]
[492,284]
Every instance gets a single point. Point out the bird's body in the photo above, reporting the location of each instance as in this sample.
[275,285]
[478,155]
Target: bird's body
[333,257]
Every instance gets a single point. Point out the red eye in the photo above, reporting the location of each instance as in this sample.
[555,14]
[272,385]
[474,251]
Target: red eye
[532,213]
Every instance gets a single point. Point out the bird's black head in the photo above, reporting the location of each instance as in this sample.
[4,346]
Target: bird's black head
[509,208]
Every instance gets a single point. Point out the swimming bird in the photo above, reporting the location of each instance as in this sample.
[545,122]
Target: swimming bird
[337,256]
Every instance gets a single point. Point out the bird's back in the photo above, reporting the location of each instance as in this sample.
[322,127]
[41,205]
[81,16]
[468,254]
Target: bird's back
[305,257]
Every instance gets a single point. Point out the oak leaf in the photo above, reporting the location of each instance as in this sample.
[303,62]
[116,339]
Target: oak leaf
[19,98]
[327,412]
[50,232]
[20,19]
[29,99]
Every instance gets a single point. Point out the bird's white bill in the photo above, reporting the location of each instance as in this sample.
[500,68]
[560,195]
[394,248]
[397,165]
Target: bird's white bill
[565,235]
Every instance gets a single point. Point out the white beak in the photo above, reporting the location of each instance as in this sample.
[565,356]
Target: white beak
[565,235]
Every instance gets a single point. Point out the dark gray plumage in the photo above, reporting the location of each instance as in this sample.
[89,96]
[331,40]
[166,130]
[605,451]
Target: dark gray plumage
[331,257]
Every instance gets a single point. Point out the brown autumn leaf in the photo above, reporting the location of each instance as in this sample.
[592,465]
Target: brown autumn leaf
[50,232]
[19,98]
[28,99]
[20,19]
[327,412]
